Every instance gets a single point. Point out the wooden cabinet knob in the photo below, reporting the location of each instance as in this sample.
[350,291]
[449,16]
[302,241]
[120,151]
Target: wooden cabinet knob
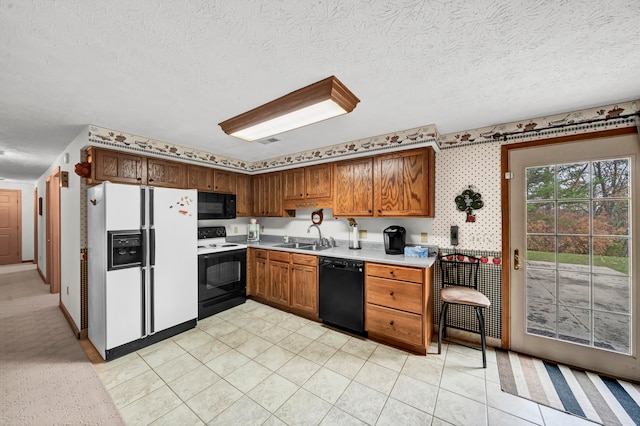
[379,211]
[150,179]
[391,322]
[391,272]
[390,293]
[139,178]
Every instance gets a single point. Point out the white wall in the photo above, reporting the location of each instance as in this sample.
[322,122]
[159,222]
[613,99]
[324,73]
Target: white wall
[69,227]
[26,189]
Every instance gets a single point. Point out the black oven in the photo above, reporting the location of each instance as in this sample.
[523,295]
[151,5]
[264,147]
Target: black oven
[212,205]
[222,281]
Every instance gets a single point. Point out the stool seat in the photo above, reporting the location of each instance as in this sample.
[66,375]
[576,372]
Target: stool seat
[464,296]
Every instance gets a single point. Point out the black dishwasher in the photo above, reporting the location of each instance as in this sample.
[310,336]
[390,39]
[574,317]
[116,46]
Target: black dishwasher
[342,293]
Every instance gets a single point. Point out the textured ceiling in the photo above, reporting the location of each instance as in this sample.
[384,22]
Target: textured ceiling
[172,70]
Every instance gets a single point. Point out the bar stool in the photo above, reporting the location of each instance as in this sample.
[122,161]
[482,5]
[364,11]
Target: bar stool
[460,287]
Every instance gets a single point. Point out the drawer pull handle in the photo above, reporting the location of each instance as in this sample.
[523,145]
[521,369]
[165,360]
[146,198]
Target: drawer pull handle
[391,272]
[390,322]
[390,293]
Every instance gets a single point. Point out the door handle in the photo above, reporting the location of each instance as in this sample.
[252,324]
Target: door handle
[516,259]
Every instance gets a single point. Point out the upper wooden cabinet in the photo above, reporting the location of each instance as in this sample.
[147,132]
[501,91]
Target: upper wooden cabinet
[200,178]
[244,205]
[224,181]
[353,188]
[308,187]
[165,173]
[405,183]
[116,167]
[267,195]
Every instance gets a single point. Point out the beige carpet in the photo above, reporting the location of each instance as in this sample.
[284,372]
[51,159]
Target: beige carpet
[45,376]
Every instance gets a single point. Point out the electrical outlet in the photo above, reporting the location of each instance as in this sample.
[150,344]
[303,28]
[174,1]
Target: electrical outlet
[67,290]
[235,229]
[424,237]
[262,229]
[362,234]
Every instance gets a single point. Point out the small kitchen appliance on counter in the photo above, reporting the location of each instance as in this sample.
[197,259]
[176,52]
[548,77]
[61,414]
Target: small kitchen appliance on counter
[394,239]
[253,231]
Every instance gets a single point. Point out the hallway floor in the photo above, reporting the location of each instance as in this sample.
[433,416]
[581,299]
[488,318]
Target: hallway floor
[254,364]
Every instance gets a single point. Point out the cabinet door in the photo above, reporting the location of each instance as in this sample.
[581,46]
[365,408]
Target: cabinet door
[168,174]
[293,184]
[118,167]
[224,181]
[405,183]
[243,196]
[261,278]
[258,189]
[200,178]
[279,282]
[273,195]
[318,181]
[304,288]
[354,188]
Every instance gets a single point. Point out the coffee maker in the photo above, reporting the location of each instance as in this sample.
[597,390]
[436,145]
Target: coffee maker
[253,231]
[394,239]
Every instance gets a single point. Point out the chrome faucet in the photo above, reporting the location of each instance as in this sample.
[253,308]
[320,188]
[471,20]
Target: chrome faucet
[319,242]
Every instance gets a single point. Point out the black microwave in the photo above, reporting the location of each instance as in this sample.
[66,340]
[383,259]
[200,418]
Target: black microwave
[212,205]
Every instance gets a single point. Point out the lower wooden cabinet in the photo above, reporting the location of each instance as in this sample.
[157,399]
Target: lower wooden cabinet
[279,271]
[304,283]
[285,280]
[399,305]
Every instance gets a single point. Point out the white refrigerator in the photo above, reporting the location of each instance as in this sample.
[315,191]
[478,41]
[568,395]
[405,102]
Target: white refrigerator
[142,265]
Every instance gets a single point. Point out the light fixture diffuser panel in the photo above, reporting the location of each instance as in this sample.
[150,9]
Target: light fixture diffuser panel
[294,120]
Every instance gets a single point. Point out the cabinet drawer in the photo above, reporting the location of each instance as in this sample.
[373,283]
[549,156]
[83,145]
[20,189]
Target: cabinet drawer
[395,294]
[397,325]
[395,272]
[261,254]
[304,259]
[279,256]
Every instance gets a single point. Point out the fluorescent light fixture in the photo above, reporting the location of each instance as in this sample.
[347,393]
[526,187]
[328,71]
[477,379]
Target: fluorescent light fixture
[319,101]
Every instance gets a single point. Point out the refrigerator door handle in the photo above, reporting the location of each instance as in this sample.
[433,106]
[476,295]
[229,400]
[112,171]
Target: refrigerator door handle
[142,206]
[151,206]
[143,303]
[152,247]
[151,285]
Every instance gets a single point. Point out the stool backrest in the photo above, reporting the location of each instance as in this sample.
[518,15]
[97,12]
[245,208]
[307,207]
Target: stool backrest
[459,270]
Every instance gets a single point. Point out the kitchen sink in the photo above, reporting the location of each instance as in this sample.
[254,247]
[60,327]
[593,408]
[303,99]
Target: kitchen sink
[314,247]
[294,245]
[303,246]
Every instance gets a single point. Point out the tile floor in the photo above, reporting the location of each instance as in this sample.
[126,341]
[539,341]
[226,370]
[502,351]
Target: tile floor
[256,365]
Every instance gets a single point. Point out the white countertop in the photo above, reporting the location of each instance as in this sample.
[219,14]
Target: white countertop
[367,255]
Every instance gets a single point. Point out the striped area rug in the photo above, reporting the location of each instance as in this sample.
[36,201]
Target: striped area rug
[597,398]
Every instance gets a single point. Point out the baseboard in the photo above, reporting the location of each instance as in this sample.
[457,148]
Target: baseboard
[44,280]
[72,324]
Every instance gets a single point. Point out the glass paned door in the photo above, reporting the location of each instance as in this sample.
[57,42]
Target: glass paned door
[574,298]
[577,253]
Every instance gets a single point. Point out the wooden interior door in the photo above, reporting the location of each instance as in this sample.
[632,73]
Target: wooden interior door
[10,227]
[53,231]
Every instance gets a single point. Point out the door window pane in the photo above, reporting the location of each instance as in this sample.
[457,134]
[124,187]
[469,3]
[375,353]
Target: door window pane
[541,251]
[612,331]
[573,180]
[573,218]
[541,218]
[611,178]
[541,183]
[611,217]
